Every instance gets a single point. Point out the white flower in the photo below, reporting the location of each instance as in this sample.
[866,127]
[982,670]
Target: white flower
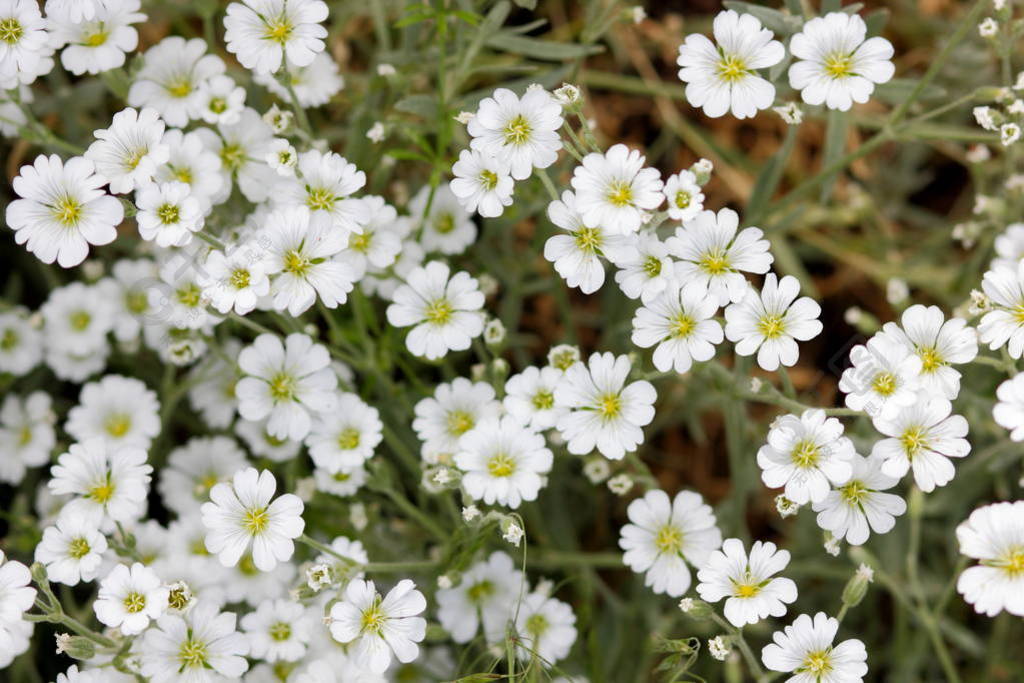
[748,583]
[323,185]
[680,324]
[241,515]
[482,183]
[168,213]
[21,344]
[62,210]
[222,100]
[546,628]
[376,132]
[1009,246]
[242,148]
[314,85]
[723,77]
[190,162]
[235,279]
[530,397]
[347,436]
[664,535]
[512,533]
[76,11]
[26,434]
[16,595]
[76,319]
[279,630]
[522,132]
[858,507]
[577,255]
[108,481]
[614,189]
[988,27]
[923,436]
[200,647]
[994,534]
[605,413]
[1004,325]
[647,271]
[454,409]
[299,258]
[380,627]
[128,152]
[711,252]
[718,648]
[503,461]
[1009,411]
[282,157]
[27,47]
[286,382]
[487,595]
[120,410]
[938,343]
[771,321]
[805,649]
[685,200]
[265,33]
[835,65]
[172,77]
[791,113]
[883,377]
[445,312]
[130,597]
[1009,133]
[380,241]
[182,304]
[72,549]
[100,42]
[806,454]
[195,468]
[448,227]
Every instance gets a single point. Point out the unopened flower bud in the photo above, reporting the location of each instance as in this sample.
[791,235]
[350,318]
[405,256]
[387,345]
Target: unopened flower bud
[857,586]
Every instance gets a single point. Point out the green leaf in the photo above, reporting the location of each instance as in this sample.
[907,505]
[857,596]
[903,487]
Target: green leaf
[835,144]
[421,105]
[877,20]
[527,4]
[490,25]
[540,49]
[406,155]
[768,180]
[830,6]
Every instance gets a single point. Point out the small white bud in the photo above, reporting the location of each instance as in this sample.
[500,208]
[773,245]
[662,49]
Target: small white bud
[376,132]
[977,154]
[494,332]
[567,95]
[896,291]
[988,27]
[791,113]
[785,507]
[385,70]
[596,470]
[464,117]
[1009,133]
[470,512]
[620,484]
[718,648]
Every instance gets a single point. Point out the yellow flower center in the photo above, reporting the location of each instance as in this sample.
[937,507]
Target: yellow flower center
[9,340]
[190,295]
[192,654]
[517,131]
[682,326]
[731,68]
[818,663]
[1012,562]
[480,591]
[439,312]
[134,602]
[118,424]
[78,548]
[930,359]
[715,262]
[620,193]
[543,400]
[96,39]
[373,619]
[746,587]
[1018,313]
[914,440]
[652,266]
[102,492]
[501,465]
[319,198]
[884,383]
[24,436]
[296,263]
[459,422]
[806,453]
[131,162]
[342,476]
[360,241]
[183,174]
[588,239]
[610,405]
[669,539]
[348,439]
[136,302]
[218,105]
[444,223]
[168,214]
[179,87]
[255,520]
[79,320]
[771,326]
[67,211]
[279,30]
[11,30]
[282,387]
[537,625]
[839,65]
[683,199]
[853,493]
[489,179]
[240,278]
[280,631]
[232,156]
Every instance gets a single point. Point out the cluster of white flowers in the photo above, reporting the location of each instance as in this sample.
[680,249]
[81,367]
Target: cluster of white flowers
[288,312]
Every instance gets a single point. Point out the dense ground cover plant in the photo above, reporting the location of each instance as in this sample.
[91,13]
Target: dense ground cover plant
[511,341]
